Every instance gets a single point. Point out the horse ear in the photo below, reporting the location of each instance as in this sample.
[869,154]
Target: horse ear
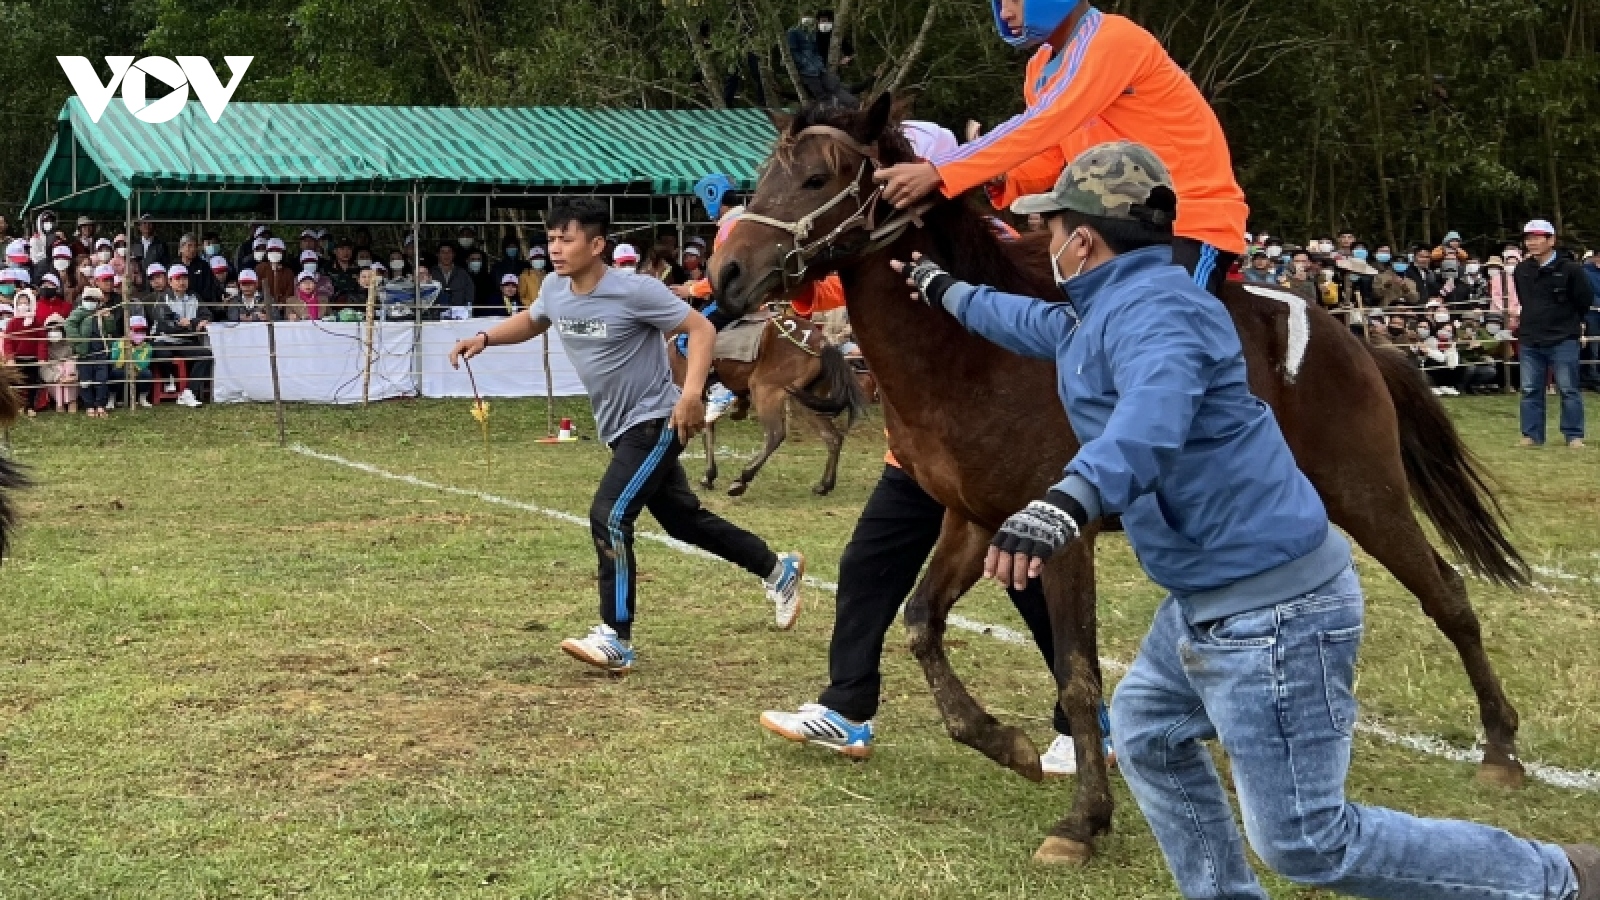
[872,125]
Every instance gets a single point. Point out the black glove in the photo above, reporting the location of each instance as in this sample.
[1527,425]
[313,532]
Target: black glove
[930,280]
[1041,528]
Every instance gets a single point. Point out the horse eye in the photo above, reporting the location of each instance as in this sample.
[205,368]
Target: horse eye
[815,182]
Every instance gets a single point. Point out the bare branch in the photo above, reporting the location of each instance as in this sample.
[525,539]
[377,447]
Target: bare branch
[708,69]
[915,50]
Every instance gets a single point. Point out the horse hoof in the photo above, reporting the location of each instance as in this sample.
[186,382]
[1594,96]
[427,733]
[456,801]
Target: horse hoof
[822,490]
[1060,851]
[1503,775]
[708,483]
[738,489]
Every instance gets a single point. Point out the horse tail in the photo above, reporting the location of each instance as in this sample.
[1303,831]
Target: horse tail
[1448,482]
[11,477]
[834,390]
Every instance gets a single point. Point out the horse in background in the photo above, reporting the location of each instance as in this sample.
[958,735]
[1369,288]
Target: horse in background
[983,432]
[793,361]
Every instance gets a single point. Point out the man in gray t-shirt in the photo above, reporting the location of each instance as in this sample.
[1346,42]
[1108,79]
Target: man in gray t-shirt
[614,327]
[613,335]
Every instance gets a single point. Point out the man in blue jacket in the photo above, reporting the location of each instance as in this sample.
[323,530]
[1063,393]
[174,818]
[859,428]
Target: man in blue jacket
[1256,644]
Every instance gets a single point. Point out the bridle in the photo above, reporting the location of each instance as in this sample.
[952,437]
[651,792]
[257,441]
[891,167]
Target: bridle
[797,259]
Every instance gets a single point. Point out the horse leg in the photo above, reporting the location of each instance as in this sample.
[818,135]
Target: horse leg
[1070,595]
[832,436]
[1397,541]
[709,439]
[769,404]
[956,565]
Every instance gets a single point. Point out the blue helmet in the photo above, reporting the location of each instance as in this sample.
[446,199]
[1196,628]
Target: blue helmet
[1040,18]
[710,190]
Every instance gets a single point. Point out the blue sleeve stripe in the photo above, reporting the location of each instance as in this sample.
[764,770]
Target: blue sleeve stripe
[1077,48]
[1207,265]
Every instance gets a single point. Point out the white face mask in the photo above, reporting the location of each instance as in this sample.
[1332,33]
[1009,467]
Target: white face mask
[56,336]
[1472,268]
[475,267]
[310,267]
[824,27]
[91,304]
[63,264]
[538,265]
[259,255]
[86,271]
[397,265]
[122,251]
[1055,260]
[1274,252]
[275,257]
[1327,274]
[102,256]
[466,243]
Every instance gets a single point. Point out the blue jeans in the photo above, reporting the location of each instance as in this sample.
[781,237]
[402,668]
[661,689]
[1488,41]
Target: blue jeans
[1590,376]
[1536,361]
[1275,686]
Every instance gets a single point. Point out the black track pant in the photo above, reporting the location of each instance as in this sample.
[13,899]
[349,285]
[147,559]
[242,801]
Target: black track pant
[1207,264]
[645,474]
[896,532]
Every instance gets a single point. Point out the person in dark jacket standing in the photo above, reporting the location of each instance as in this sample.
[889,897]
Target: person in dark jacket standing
[1591,326]
[1555,296]
[456,291]
[823,86]
[1255,647]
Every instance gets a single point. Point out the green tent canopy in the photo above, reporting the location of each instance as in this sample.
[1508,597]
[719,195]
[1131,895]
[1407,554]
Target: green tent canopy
[336,162]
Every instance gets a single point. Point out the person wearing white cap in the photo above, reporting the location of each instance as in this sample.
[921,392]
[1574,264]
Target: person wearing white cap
[277,278]
[626,258]
[532,278]
[180,333]
[251,304]
[83,241]
[508,294]
[1555,295]
[136,353]
[102,251]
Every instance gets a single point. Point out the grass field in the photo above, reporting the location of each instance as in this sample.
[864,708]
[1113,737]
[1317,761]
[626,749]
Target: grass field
[229,670]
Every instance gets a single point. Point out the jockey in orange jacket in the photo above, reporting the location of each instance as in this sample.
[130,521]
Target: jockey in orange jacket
[1096,78]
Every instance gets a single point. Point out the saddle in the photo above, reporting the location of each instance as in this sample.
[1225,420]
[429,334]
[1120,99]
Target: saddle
[739,341]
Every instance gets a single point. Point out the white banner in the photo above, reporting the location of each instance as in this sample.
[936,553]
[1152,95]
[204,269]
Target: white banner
[515,371]
[318,362]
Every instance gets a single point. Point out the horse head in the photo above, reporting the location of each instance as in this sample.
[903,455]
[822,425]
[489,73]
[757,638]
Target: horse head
[815,205]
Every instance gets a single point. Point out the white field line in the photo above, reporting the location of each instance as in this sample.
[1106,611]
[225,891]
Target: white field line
[1426,744]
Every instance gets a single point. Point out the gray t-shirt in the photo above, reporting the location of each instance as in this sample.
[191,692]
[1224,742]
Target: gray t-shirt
[614,337]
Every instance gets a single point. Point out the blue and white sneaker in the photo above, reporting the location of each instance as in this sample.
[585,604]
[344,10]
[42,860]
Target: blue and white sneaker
[817,724]
[784,590]
[721,398]
[602,649]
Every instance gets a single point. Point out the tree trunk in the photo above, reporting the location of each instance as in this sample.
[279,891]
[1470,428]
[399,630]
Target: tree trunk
[1379,145]
[841,22]
[914,52]
[708,68]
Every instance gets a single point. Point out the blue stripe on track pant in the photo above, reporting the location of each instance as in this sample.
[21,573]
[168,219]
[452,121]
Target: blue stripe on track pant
[645,474]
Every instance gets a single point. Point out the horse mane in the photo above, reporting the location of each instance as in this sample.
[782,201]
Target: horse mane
[964,241]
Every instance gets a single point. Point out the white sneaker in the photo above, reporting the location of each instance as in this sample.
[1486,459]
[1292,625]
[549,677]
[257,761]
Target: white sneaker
[144,402]
[721,398]
[817,724]
[784,590]
[602,649]
[1061,760]
[172,385]
[187,399]
[111,403]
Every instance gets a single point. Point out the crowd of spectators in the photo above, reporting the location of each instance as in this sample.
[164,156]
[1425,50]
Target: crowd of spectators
[1526,316]
[70,337]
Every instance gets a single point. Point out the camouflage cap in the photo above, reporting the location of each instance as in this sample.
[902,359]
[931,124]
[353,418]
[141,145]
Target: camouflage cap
[1106,180]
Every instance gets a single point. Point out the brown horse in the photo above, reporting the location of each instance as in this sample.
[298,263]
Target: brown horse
[983,432]
[792,361]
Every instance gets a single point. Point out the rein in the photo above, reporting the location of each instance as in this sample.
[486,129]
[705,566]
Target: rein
[797,260]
